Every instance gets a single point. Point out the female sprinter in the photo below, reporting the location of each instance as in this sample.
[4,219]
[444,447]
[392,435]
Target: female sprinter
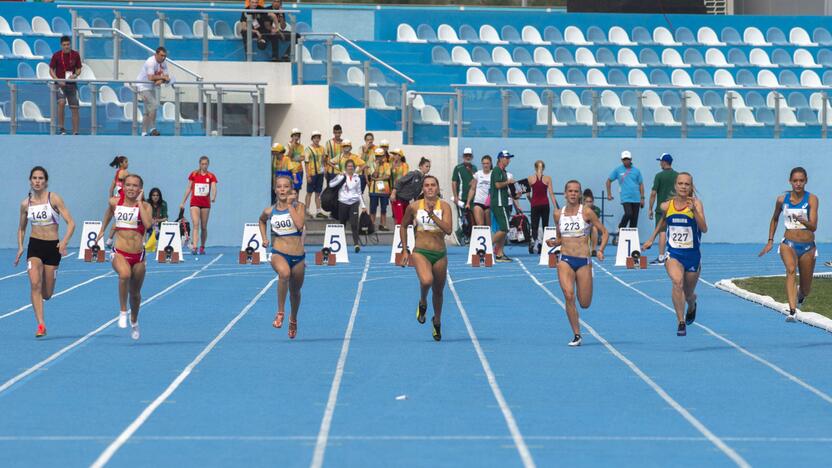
[800,217]
[574,222]
[285,220]
[42,208]
[133,217]
[478,200]
[433,221]
[684,221]
[120,163]
[202,188]
[539,197]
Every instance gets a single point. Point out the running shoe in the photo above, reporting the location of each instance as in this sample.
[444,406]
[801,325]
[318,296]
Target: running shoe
[421,310]
[41,331]
[357,248]
[503,259]
[792,317]
[278,320]
[134,330]
[682,330]
[382,227]
[531,248]
[293,329]
[437,332]
[539,247]
[800,299]
[202,250]
[122,319]
[829,263]
[320,215]
[576,341]
[690,316]
[62,131]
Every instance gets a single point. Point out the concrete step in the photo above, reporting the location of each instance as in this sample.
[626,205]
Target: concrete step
[315,229]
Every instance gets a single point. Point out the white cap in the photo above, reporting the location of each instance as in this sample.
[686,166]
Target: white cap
[384,143]
[468,151]
[295,130]
[346,142]
[626,155]
[315,133]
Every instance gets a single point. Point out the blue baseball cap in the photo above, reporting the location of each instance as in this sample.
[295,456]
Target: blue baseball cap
[666,157]
[504,154]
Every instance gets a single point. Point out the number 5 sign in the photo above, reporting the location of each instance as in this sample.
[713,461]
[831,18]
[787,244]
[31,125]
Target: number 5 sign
[88,235]
[336,240]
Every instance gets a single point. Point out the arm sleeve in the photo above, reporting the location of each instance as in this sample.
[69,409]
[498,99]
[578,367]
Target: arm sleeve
[613,175]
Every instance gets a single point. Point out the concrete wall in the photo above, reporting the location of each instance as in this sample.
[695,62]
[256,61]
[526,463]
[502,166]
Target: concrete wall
[78,170]
[737,180]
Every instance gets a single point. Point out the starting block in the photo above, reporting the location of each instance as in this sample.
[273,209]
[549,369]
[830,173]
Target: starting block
[325,257]
[480,258]
[249,256]
[94,254]
[635,260]
[167,255]
[399,260]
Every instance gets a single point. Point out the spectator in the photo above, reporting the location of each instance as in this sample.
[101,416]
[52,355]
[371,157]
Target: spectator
[500,182]
[589,202]
[379,182]
[256,27]
[662,191]
[539,196]
[350,200]
[369,146]
[461,178]
[159,208]
[348,155]
[281,33]
[154,71]
[407,187]
[631,190]
[315,173]
[281,166]
[333,153]
[66,65]
[295,150]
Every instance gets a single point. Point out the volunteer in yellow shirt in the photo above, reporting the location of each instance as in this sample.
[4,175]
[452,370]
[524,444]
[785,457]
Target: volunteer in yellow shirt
[379,183]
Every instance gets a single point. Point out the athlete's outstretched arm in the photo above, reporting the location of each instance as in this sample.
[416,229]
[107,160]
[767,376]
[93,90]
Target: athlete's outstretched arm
[70,222]
[21,230]
[187,193]
[772,227]
[264,219]
[659,228]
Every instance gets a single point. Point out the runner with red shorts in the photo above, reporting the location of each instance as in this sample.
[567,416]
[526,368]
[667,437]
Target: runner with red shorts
[133,217]
[202,188]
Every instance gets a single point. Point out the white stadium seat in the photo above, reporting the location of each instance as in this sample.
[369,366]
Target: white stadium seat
[531,35]
[42,71]
[6,30]
[573,35]
[21,49]
[41,27]
[340,55]
[124,27]
[798,36]
[475,76]
[623,116]
[767,79]
[584,57]
[663,116]
[31,112]
[745,117]
[595,77]
[541,118]
[406,33]
[707,36]
[529,98]
[759,58]
[610,99]
[724,78]
[501,56]
[448,34]
[671,58]
[515,76]
[804,58]
[810,79]
[461,56]
[569,98]
[715,58]
[169,113]
[619,36]
[663,36]
[736,99]
[377,101]
[555,77]
[198,30]
[693,100]
[157,28]
[431,115]
[637,77]
[543,56]
[753,36]
[489,35]
[651,100]
[703,116]
[628,58]
[681,78]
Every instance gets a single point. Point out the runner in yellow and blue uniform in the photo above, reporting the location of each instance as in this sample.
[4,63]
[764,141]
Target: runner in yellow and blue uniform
[684,222]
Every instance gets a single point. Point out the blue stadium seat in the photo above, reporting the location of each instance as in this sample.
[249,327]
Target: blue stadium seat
[659,77]
[731,36]
[586,97]
[737,57]
[509,33]
[24,70]
[605,56]
[181,28]
[596,35]
[301,28]
[825,57]
[671,99]
[566,114]
[606,116]
[21,25]
[746,78]
[125,94]
[822,36]
[4,49]
[513,101]
[522,55]
[765,116]
[42,48]
[776,36]
[702,77]
[222,29]
[60,26]
[426,33]
[495,76]
[141,28]
[115,113]
[468,33]
[782,58]
[440,55]
[755,99]
[649,57]
[642,36]
[562,55]
[712,99]
[788,78]
[576,77]
[807,116]
[318,52]
[100,23]
[535,76]
[629,98]
[553,35]
[685,36]
[720,115]
[480,55]
[827,78]
[797,100]
[616,77]
[694,58]
[646,116]
[677,114]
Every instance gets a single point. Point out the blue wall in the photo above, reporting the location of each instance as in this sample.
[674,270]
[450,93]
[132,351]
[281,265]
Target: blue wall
[737,180]
[78,170]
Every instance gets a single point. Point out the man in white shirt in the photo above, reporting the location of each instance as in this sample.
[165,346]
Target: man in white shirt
[154,71]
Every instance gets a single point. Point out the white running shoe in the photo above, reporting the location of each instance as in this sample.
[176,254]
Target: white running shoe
[576,341]
[792,317]
[122,319]
[134,330]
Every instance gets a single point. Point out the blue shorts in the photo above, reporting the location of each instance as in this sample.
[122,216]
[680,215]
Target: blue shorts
[800,248]
[575,262]
[315,184]
[691,261]
[292,260]
[377,200]
[297,180]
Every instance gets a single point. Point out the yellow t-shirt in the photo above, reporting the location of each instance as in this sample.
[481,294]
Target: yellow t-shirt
[397,173]
[314,160]
[297,155]
[333,154]
[359,163]
[379,178]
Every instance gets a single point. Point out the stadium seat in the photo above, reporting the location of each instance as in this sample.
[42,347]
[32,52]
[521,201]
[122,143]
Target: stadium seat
[355,77]
[712,100]
[798,100]
[649,57]
[516,77]
[605,57]
[5,52]
[198,27]
[21,49]
[822,36]
[583,56]
[425,33]
[595,35]
[544,57]
[340,55]
[737,58]
[563,56]
[803,58]
[799,37]
[496,76]
[468,34]
[628,58]
[610,99]
[3,117]
[555,77]
[553,35]
[575,77]
[531,35]
[745,117]
[542,118]
[306,56]
[703,116]
[128,113]
[6,30]
[406,33]
[658,77]
[616,77]
[445,33]
[746,78]
[753,36]
[825,57]
[489,35]
[158,27]
[731,36]
[816,101]
[680,78]
[569,98]
[418,102]
[21,25]
[169,114]
[765,116]
[42,49]
[827,78]
[735,99]
[693,100]
[440,55]
[671,98]
[302,28]
[650,99]
[536,77]
[618,36]
[629,98]
[222,29]
[42,28]
[775,36]
[107,95]
[671,58]
[636,77]
[521,55]
[573,35]
[623,116]
[808,117]
[583,116]
[754,99]
[702,78]
[759,58]
[684,35]
[509,34]
[480,55]
[141,28]
[529,98]
[86,72]
[663,116]
[771,100]
[60,27]
[124,27]
[500,56]
[595,77]
[641,36]
[781,58]
[694,58]
[714,58]
[182,29]
[662,35]
[42,71]
[707,36]
[767,79]
[31,112]
[788,78]
[566,114]
[377,101]
[810,79]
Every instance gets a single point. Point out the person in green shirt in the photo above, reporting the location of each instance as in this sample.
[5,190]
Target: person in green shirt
[500,205]
[662,190]
[462,176]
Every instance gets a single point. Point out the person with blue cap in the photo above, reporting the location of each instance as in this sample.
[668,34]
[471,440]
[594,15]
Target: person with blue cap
[662,191]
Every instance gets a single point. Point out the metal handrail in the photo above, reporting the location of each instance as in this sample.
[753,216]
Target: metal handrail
[363,51]
[82,6]
[99,81]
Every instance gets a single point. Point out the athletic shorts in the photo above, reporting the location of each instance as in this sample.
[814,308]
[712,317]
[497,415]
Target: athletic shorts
[691,261]
[68,93]
[499,219]
[315,184]
[482,206]
[150,101]
[378,201]
[132,258]
[45,250]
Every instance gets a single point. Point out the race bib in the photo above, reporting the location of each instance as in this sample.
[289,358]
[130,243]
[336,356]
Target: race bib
[202,190]
[790,217]
[680,237]
[380,185]
[282,225]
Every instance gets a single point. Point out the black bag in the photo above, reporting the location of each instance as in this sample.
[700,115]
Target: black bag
[329,197]
[365,224]
[519,229]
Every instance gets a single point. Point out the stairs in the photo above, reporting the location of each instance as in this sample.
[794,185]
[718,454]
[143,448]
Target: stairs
[315,229]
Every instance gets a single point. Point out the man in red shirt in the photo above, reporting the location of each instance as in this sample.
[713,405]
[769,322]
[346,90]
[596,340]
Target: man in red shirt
[66,65]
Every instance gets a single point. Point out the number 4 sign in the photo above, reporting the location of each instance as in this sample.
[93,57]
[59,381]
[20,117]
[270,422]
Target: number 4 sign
[88,235]
[336,240]
[396,247]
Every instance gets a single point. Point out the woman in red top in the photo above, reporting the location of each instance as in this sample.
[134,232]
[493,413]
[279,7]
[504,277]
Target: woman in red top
[202,188]
[133,216]
[540,194]
[120,164]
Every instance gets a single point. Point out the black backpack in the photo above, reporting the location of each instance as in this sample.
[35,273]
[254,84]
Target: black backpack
[365,224]
[329,197]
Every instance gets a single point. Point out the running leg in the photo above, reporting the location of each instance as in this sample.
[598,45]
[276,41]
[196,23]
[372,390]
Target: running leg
[440,272]
[196,222]
[281,267]
[566,278]
[676,272]
[50,274]
[204,213]
[36,272]
[296,283]
[136,282]
[424,272]
[121,267]
[583,280]
[790,262]
[806,267]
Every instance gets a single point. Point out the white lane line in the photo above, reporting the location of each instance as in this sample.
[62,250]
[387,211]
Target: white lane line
[823,396]
[131,429]
[691,419]
[9,383]
[326,422]
[475,278]
[57,294]
[514,429]
[14,274]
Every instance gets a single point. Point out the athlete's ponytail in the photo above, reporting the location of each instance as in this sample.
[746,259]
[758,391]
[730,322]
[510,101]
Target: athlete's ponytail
[116,162]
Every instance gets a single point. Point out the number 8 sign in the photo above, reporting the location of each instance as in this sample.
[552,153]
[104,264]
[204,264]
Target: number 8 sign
[88,234]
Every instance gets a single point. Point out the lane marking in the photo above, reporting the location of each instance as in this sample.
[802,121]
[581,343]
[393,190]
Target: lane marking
[58,294]
[14,274]
[514,429]
[691,419]
[11,382]
[326,422]
[131,429]
[823,396]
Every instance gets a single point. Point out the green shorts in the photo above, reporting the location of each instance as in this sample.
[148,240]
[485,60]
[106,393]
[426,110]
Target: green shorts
[499,219]
[432,256]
